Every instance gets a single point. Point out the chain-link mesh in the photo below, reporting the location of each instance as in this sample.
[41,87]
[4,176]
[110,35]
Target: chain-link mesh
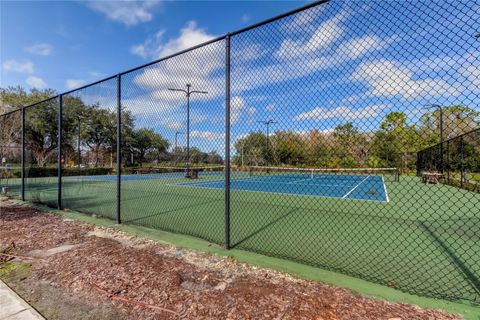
[41,152]
[11,154]
[89,129]
[354,143]
[455,162]
[345,86]
[173,117]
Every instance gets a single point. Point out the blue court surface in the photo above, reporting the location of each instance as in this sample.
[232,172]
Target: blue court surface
[358,187]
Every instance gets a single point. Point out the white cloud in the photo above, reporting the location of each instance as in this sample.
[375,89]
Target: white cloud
[238,108]
[97,74]
[270,107]
[386,78]
[201,67]
[154,46]
[150,47]
[74,83]
[342,112]
[125,11]
[24,66]
[36,82]
[248,52]
[199,118]
[357,47]
[323,48]
[207,135]
[174,125]
[322,38]
[41,49]
[473,74]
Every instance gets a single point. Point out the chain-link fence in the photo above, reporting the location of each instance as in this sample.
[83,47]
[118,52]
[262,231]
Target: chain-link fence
[11,154]
[313,136]
[455,162]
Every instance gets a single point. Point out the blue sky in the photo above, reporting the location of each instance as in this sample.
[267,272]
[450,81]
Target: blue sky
[85,41]
[336,63]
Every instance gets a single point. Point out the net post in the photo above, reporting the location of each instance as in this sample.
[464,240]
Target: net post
[59,151]
[227,141]
[119,152]
[22,194]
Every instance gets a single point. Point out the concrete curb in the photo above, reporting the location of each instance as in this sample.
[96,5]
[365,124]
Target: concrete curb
[13,307]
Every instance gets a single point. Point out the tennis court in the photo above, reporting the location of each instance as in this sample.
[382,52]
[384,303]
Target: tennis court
[408,242]
[369,186]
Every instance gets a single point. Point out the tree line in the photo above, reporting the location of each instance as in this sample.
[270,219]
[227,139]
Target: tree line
[85,127]
[394,144]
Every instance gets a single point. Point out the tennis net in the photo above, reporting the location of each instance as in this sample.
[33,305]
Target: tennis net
[189,172]
[390,174]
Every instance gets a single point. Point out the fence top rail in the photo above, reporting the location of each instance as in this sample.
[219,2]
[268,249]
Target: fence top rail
[12,111]
[258,24]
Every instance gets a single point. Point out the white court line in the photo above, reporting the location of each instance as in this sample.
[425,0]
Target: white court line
[257,181]
[385,189]
[355,187]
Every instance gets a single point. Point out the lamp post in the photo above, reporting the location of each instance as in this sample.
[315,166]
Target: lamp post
[188,92]
[440,108]
[176,144]
[79,155]
[267,123]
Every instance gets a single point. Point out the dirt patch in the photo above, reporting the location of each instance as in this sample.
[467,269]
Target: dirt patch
[106,274]
[52,251]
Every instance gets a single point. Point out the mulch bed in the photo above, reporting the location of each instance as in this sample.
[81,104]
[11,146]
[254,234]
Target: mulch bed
[143,279]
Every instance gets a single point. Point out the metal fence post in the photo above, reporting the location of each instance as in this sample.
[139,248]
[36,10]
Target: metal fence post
[119,151]
[23,155]
[59,151]
[227,142]
[462,168]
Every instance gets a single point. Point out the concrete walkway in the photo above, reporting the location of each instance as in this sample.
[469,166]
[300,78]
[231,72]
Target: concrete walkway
[12,307]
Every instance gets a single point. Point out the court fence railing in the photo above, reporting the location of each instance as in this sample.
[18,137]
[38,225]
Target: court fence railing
[421,239]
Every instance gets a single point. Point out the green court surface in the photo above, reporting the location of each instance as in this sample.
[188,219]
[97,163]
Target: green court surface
[425,240]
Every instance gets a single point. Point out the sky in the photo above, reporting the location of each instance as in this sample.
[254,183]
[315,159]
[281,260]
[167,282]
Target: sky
[62,44]
[335,63]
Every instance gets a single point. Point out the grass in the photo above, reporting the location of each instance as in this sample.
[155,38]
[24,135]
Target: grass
[426,240]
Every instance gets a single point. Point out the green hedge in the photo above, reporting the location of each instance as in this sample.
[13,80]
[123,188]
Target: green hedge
[36,172]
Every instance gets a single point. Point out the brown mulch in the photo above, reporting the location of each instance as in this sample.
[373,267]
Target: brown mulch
[143,279]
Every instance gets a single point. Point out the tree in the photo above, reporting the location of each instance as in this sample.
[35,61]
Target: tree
[10,137]
[319,148]
[13,98]
[251,149]
[214,158]
[41,131]
[99,131]
[148,140]
[288,147]
[396,141]
[351,146]
[40,122]
[457,120]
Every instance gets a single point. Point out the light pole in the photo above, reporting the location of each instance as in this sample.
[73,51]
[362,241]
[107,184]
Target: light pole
[176,144]
[188,92]
[440,108]
[267,123]
[79,155]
